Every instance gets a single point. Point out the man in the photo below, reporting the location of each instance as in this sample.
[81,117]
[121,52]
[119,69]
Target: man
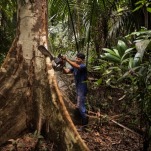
[79,70]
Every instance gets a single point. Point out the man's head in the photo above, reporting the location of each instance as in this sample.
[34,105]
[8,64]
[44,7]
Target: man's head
[80,58]
[81,55]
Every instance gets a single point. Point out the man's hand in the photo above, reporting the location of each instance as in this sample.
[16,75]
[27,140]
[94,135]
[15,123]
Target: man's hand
[64,57]
[72,63]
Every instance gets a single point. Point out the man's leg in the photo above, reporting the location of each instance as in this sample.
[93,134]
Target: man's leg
[81,106]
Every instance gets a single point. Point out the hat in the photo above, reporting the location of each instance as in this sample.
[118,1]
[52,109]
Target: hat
[81,55]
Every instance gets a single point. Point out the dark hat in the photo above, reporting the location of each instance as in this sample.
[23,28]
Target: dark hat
[81,55]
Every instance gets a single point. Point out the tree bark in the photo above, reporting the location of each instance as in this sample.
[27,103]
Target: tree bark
[30,99]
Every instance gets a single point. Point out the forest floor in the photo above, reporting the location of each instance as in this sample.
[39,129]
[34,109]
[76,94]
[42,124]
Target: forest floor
[111,137]
[109,120]
[102,133]
[108,137]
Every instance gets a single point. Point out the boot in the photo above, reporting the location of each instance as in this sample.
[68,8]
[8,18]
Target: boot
[85,120]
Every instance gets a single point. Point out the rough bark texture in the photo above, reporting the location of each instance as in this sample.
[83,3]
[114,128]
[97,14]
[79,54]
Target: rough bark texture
[29,96]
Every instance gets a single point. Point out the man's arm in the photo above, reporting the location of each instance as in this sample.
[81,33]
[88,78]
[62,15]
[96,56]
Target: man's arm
[66,70]
[72,63]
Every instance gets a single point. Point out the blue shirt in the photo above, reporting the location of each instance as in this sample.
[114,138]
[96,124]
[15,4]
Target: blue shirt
[80,76]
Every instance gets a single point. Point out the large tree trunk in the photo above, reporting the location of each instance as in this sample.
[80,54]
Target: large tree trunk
[30,99]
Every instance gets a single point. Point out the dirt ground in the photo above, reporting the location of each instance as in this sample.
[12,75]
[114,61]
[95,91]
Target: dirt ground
[108,137]
[112,138]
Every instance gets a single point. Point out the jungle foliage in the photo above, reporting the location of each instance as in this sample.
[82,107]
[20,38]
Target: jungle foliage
[115,35]
[7,25]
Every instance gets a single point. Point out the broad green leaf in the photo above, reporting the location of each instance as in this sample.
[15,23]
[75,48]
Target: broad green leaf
[149,46]
[149,87]
[141,47]
[135,33]
[129,50]
[124,61]
[121,46]
[126,55]
[137,8]
[137,60]
[96,67]
[149,9]
[131,63]
[116,51]
[98,82]
[108,81]
[111,57]
[125,75]
[139,2]
[107,72]
[116,68]
[109,51]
